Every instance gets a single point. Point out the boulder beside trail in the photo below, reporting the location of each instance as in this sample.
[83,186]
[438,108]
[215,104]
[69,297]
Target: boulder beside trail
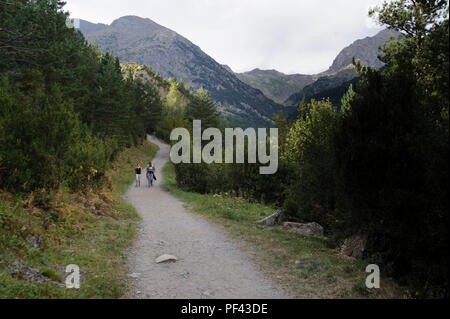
[354,246]
[308,229]
[277,218]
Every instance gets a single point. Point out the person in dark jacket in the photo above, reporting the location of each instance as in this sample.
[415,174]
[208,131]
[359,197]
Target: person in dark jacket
[150,173]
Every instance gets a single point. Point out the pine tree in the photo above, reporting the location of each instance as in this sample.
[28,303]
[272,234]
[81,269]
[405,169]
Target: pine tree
[347,99]
[110,113]
[393,152]
[303,107]
[174,99]
[201,107]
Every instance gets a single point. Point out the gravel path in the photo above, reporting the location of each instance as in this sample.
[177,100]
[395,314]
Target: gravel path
[210,265]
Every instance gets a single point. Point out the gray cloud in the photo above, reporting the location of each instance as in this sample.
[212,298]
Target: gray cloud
[291,36]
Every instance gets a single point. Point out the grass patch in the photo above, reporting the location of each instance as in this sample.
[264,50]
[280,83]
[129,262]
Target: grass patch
[305,267]
[89,229]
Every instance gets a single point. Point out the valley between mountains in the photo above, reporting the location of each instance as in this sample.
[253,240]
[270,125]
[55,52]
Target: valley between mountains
[249,99]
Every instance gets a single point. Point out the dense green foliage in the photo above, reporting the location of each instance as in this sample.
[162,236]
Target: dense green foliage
[393,148]
[240,179]
[310,152]
[173,112]
[375,165]
[65,109]
[38,131]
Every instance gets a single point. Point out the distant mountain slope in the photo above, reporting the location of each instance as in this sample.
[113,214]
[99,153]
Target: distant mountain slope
[276,85]
[366,50]
[334,94]
[341,71]
[289,89]
[226,67]
[87,27]
[143,41]
[324,83]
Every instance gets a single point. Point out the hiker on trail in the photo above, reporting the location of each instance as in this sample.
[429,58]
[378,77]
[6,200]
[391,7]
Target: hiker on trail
[150,173]
[138,172]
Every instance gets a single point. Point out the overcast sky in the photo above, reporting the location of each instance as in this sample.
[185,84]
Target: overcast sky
[291,36]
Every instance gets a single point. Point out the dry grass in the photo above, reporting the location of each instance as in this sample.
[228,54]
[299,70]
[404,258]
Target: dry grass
[91,230]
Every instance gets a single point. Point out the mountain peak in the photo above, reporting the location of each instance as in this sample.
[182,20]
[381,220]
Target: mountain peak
[258,71]
[137,24]
[142,41]
[365,50]
[132,20]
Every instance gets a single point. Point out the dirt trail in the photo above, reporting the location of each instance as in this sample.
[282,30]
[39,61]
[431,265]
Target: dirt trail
[210,265]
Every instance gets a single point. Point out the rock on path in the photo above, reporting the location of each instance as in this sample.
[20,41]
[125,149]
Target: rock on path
[208,261]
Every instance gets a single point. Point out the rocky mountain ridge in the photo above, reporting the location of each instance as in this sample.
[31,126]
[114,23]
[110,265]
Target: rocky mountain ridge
[142,41]
[288,89]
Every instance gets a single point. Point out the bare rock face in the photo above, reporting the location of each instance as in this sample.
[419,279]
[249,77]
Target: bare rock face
[365,50]
[273,219]
[354,246]
[308,229]
[165,258]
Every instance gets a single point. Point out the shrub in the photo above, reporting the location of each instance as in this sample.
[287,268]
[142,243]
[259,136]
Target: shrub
[37,132]
[310,154]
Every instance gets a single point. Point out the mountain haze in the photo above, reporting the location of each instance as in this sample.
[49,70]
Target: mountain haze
[142,41]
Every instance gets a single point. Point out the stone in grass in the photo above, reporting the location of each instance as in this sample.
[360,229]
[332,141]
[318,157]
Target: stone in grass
[309,229]
[354,246]
[165,258]
[273,219]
